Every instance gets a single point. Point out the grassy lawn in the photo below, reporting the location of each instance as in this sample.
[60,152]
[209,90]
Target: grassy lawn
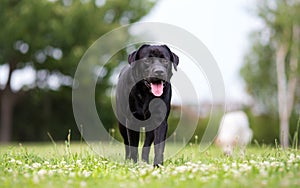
[44,165]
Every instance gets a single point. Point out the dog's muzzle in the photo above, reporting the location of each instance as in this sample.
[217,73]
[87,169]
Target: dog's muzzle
[155,85]
[156,81]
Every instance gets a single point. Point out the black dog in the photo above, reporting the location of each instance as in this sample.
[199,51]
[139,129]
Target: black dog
[143,96]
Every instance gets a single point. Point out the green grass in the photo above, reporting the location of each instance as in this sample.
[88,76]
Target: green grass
[75,165]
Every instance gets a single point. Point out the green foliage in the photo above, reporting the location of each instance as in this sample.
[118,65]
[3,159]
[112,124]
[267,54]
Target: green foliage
[46,26]
[265,128]
[259,70]
[51,37]
[45,111]
[259,73]
[41,166]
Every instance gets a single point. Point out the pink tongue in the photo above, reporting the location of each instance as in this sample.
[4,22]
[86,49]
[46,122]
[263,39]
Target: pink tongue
[157,89]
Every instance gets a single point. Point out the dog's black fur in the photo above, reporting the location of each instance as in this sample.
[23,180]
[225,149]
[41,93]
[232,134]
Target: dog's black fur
[141,82]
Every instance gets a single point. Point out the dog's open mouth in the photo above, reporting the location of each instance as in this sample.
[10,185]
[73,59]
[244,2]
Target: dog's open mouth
[156,86]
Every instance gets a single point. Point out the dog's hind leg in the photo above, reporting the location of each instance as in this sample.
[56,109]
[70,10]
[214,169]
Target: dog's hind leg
[149,138]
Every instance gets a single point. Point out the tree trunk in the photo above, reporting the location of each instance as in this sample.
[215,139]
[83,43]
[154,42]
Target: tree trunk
[293,79]
[6,115]
[7,104]
[284,131]
[287,86]
[282,96]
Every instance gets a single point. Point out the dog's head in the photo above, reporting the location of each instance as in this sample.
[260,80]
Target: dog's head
[153,65]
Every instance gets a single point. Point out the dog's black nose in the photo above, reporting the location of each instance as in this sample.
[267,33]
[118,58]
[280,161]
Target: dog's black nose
[158,72]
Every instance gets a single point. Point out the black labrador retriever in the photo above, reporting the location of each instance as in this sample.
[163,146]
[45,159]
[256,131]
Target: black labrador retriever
[143,96]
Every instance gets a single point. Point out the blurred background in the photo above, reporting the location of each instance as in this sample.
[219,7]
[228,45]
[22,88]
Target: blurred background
[255,43]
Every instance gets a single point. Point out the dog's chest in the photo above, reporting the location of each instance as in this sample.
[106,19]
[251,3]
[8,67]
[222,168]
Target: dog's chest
[139,105]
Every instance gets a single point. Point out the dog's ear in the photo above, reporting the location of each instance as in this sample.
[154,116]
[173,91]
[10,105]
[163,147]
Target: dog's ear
[175,61]
[134,55]
[131,57]
[174,57]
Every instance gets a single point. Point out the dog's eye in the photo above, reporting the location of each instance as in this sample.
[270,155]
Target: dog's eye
[147,61]
[164,61]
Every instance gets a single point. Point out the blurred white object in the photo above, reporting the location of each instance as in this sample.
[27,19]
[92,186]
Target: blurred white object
[234,132]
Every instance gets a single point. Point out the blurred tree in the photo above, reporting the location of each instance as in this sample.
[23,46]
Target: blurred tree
[271,70]
[49,37]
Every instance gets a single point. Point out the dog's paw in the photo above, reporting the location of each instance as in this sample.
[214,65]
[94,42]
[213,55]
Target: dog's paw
[157,166]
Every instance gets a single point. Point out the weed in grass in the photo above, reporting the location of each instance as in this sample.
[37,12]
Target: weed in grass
[68,143]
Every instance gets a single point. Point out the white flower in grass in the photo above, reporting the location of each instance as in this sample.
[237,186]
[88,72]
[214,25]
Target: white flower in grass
[226,167]
[194,167]
[46,163]
[266,163]
[51,172]
[42,172]
[191,176]
[245,167]
[83,184]
[72,174]
[65,166]
[19,162]
[9,170]
[291,159]
[204,168]
[27,166]
[181,169]
[156,173]
[235,173]
[214,176]
[274,164]
[27,175]
[143,171]
[174,173]
[52,166]
[12,160]
[86,173]
[272,159]
[70,169]
[36,165]
[194,170]
[60,171]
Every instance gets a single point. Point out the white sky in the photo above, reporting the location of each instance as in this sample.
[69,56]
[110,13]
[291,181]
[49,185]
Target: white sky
[223,26]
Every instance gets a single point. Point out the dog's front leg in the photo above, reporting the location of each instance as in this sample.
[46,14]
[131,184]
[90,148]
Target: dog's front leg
[123,131]
[133,137]
[149,137]
[160,134]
